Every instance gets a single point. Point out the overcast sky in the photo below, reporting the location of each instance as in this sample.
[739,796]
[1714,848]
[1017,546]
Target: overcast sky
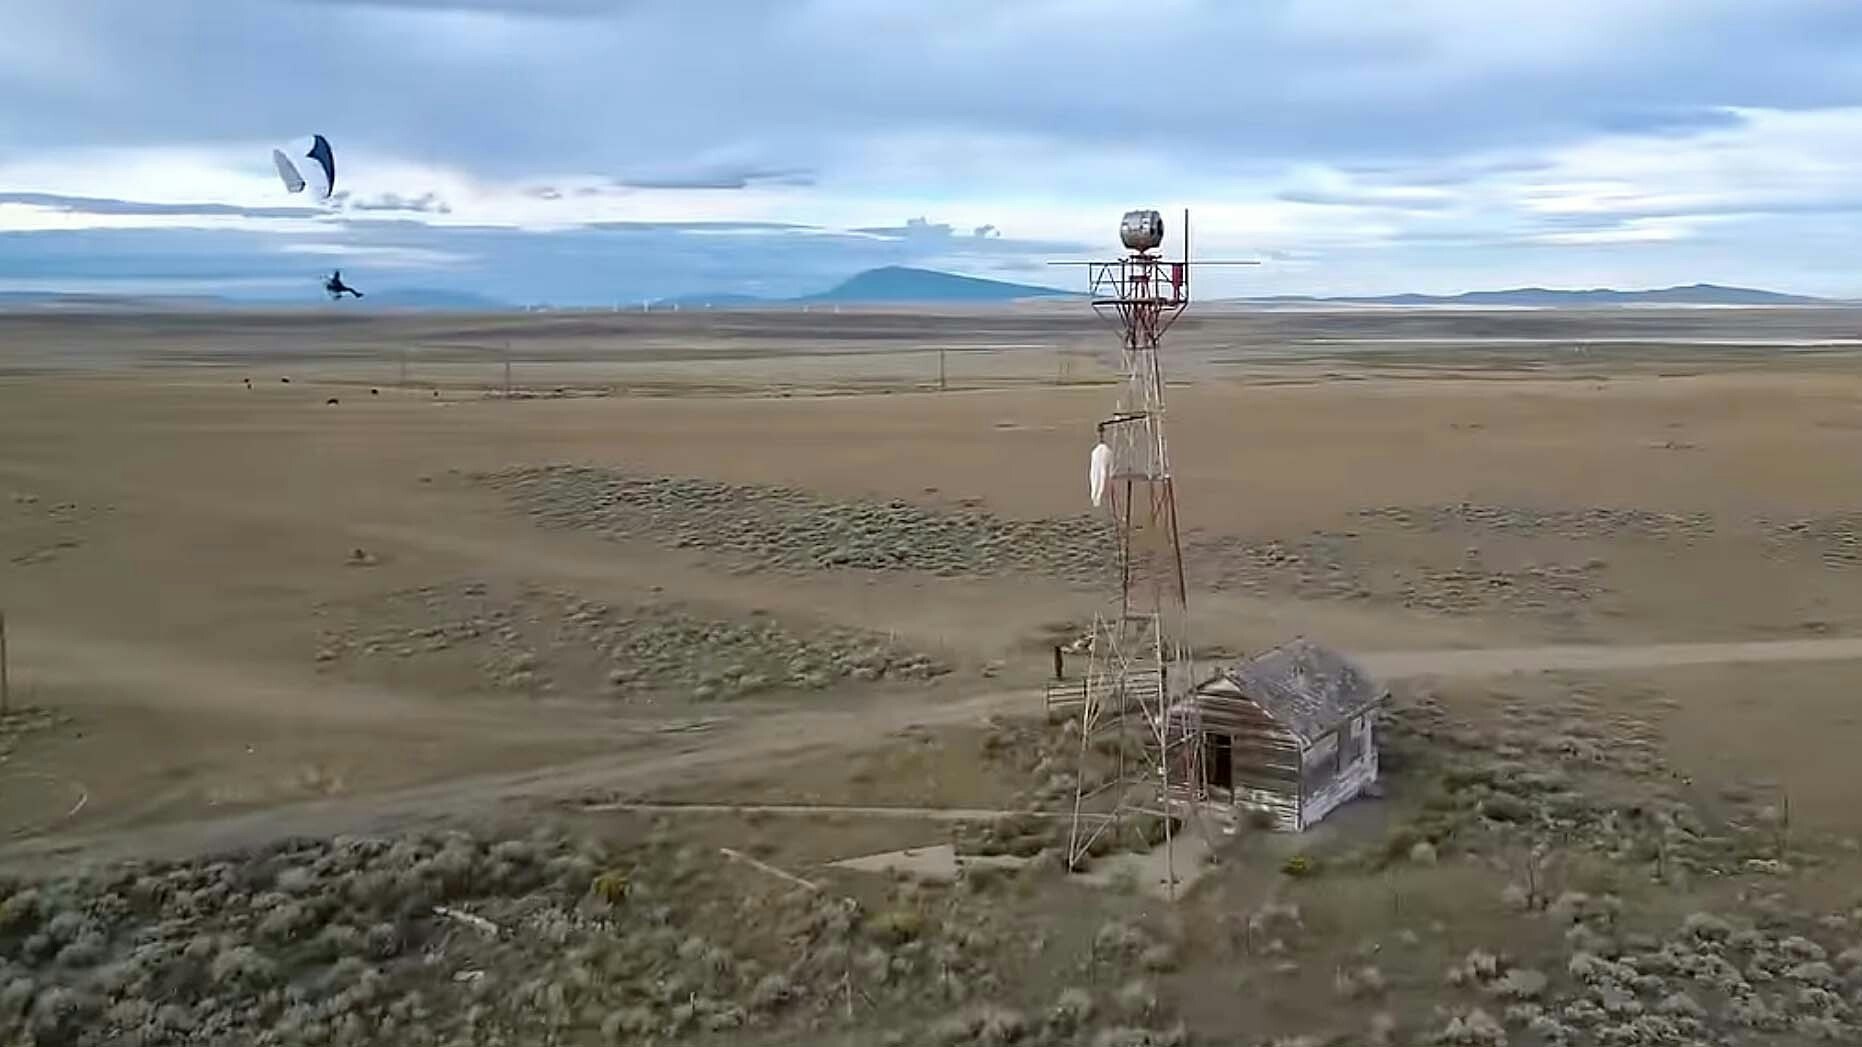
[608,150]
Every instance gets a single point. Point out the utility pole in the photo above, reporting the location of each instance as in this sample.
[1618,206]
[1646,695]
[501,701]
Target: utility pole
[507,370]
[940,369]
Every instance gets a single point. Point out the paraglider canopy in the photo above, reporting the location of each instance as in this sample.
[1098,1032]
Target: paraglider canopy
[307,164]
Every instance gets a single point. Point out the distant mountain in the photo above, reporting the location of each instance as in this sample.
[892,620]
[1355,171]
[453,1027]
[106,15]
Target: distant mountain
[897,283]
[1542,297]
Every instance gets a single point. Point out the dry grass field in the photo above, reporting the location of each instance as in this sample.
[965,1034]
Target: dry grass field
[319,626]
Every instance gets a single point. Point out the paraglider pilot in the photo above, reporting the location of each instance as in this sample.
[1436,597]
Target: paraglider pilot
[336,286]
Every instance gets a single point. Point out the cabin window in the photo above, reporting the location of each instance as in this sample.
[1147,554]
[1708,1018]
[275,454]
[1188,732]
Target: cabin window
[1321,763]
[1352,751]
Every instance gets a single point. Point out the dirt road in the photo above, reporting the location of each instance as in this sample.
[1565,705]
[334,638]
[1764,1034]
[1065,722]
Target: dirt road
[656,760]
[1392,665]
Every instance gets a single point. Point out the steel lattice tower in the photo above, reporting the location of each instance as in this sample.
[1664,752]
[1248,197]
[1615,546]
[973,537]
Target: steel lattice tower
[1140,660]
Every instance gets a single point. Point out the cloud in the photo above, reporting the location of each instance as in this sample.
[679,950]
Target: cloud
[1636,230]
[984,244]
[530,8]
[1391,198]
[1426,141]
[524,82]
[719,178]
[426,203]
[919,228]
[381,256]
[704,227]
[1448,173]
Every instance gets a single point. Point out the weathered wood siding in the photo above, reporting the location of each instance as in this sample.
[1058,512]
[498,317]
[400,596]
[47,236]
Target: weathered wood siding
[1264,757]
[1271,769]
[1328,783]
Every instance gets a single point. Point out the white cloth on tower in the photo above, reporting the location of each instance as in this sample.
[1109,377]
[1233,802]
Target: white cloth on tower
[1101,469]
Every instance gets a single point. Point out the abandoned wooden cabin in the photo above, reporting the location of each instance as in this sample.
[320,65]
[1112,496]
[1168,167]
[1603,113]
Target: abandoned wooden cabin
[1288,733]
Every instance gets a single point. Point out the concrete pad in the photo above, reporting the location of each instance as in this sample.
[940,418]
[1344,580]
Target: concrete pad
[937,864]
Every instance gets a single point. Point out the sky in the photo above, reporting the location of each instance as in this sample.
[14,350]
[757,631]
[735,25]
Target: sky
[593,152]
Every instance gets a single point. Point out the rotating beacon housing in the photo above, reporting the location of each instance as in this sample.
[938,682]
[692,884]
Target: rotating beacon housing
[1141,230]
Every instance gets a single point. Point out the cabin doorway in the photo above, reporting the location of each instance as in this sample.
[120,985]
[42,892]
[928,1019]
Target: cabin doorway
[1219,760]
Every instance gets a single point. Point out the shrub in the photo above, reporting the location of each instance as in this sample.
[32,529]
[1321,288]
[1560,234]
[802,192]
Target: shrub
[610,887]
[383,940]
[897,926]
[771,992]
[243,967]
[628,1024]
[1159,958]
[1137,999]
[21,912]
[1505,807]
[1071,1010]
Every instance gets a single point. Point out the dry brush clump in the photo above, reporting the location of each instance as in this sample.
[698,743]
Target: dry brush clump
[1343,565]
[447,938]
[1758,973]
[538,639]
[1713,978]
[1592,522]
[1557,777]
[23,722]
[1834,539]
[783,529]
[780,528]
[1570,801]
[48,531]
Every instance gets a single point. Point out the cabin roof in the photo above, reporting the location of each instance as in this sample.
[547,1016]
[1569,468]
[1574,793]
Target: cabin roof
[1306,686]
